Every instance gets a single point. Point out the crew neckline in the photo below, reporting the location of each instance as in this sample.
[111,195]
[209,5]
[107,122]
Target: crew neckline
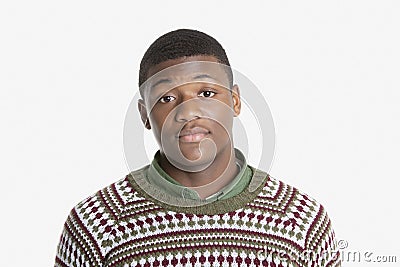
[159,177]
[138,181]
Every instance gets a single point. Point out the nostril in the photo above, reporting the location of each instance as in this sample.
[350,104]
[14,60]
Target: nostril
[188,113]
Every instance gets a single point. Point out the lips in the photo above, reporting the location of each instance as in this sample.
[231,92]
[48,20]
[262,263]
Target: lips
[194,134]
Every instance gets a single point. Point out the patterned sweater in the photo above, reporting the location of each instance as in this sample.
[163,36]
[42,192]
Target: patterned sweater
[132,223]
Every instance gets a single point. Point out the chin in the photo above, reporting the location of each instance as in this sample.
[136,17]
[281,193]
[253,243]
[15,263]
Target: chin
[196,155]
[192,158]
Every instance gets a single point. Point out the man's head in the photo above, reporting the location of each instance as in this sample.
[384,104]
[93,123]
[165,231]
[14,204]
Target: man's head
[188,97]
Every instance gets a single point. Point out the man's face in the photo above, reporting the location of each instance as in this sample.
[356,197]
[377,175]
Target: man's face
[190,108]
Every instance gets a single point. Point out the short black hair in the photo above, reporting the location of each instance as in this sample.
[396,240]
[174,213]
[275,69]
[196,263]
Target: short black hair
[180,43]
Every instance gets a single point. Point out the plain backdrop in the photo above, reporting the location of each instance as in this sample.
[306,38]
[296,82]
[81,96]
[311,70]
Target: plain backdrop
[329,71]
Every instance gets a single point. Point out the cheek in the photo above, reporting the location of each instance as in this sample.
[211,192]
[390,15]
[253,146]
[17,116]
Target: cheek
[222,123]
[222,130]
[162,124]
[156,121]
[221,136]
[222,117]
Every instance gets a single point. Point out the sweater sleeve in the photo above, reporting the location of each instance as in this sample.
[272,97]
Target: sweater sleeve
[322,243]
[77,246]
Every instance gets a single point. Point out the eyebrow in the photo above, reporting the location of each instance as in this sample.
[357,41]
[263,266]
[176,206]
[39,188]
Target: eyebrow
[165,80]
[202,76]
[197,77]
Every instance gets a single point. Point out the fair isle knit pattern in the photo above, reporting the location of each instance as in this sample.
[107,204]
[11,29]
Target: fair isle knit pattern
[272,224]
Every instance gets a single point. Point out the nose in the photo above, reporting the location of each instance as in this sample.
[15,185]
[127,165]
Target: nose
[187,110]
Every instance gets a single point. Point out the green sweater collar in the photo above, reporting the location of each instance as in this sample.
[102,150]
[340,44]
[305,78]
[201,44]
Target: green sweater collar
[157,176]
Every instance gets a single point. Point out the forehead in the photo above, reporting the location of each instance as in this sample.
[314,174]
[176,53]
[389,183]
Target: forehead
[172,62]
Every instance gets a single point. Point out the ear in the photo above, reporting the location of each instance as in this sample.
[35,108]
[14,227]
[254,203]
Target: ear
[143,114]
[236,100]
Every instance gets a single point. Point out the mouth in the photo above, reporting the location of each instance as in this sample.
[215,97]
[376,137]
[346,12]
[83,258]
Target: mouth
[193,135]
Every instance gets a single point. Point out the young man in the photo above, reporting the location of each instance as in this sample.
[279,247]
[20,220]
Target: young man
[198,203]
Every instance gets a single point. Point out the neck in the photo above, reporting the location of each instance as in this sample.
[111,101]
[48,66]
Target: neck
[210,180]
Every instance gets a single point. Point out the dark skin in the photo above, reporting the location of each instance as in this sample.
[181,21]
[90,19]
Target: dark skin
[197,117]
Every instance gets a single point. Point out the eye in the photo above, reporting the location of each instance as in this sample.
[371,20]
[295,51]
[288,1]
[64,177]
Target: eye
[166,99]
[207,93]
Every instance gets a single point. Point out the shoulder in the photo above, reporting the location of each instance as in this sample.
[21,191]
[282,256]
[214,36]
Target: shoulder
[90,223]
[293,211]
[295,218]
[107,202]
[97,214]
[290,199]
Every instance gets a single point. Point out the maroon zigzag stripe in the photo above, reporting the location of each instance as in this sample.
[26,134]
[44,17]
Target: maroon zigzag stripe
[82,227]
[118,197]
[280,188]
[261,207]
[325,232]
[313,223]
[103,196]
